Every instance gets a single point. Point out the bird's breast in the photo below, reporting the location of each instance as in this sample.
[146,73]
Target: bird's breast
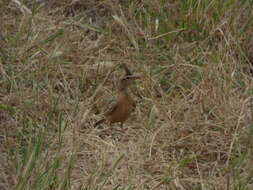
[122,112]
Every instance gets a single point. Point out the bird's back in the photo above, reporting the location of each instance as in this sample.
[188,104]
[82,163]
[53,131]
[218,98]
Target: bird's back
[121,110]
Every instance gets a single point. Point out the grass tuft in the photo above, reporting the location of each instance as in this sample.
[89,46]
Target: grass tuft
[60,64]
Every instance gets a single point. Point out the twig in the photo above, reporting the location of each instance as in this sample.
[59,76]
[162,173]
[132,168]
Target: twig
[22,7]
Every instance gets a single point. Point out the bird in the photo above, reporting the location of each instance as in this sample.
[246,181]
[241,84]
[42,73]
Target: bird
[124,105]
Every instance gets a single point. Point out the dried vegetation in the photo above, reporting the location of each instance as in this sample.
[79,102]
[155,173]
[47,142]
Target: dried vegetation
[192,128]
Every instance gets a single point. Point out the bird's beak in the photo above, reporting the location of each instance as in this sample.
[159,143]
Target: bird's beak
[135,76]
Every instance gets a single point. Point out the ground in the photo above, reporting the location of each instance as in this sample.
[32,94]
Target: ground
[59,69]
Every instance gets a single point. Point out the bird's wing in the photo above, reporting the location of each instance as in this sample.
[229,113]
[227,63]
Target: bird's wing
[111,108]
[112,104]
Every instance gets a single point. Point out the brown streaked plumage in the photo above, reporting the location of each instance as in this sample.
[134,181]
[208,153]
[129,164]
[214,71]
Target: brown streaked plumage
[124,105]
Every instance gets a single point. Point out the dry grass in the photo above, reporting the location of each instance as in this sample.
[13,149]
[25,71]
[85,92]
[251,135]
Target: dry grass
[192,128]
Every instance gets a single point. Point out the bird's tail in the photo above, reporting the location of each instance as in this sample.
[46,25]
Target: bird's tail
[99,122]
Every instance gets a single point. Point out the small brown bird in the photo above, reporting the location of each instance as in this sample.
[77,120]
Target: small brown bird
[124,105]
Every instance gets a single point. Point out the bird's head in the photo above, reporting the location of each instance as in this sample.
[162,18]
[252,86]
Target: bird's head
[127,80]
